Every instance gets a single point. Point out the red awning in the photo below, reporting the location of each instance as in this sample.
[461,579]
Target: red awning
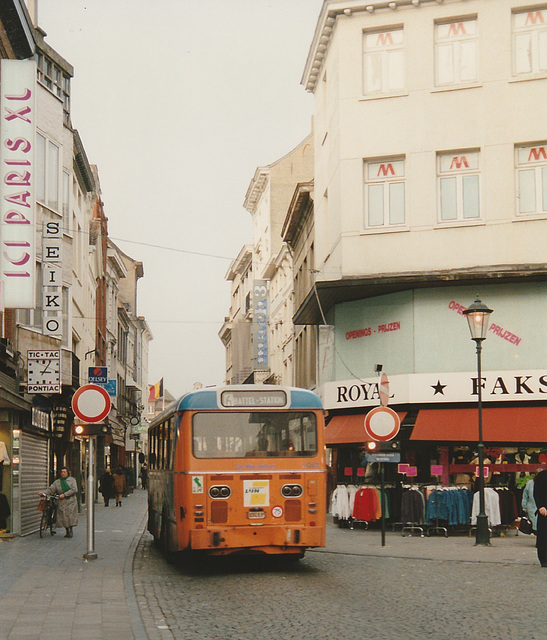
[511,424]
[348,429]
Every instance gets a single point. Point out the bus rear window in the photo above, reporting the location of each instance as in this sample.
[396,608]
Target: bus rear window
[247,434]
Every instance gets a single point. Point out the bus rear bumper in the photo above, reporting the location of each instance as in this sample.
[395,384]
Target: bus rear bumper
[268,539]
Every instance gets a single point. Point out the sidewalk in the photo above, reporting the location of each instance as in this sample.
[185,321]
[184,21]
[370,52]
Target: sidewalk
[49,591]
[509,549]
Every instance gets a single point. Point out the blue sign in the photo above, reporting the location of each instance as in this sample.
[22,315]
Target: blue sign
[381,456]
[111,387]
[98,375]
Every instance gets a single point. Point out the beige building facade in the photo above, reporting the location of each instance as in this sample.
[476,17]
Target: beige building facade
[430,187]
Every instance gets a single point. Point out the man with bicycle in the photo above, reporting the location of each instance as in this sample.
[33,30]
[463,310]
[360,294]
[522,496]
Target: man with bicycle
[67,509]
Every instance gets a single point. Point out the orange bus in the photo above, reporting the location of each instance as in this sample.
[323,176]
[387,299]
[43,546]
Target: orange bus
[238,469]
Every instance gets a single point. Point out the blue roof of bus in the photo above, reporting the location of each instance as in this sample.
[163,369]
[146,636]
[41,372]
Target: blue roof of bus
[208,398]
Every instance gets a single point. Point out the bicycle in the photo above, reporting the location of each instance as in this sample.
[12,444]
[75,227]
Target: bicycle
[49,515]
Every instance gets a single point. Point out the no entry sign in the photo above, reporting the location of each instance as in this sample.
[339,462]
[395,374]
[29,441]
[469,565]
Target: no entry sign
[382,424]
[91,403]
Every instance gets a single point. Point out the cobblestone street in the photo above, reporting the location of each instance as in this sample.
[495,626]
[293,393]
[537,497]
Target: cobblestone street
[341,595]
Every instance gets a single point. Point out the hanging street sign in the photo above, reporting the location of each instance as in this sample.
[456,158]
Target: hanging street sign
[383,390]
[383,456]
[91,403]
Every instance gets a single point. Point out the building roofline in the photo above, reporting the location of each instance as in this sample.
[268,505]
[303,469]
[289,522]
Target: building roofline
[18,27]
[326,23]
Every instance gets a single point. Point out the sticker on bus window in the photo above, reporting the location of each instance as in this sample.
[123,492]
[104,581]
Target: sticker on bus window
[256,493]
[197,484]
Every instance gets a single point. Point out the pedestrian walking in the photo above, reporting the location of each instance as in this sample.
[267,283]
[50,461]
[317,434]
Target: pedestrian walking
[144,475]
[67,509]
[528,503]
[106,486]
[540,496]
[120,485]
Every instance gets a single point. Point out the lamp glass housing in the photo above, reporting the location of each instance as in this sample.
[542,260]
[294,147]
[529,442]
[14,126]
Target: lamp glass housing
[478,319]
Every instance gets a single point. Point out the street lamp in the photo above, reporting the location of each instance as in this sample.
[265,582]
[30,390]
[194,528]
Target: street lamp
[478,317]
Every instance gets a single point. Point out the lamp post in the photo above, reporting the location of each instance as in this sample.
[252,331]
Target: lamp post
[478,318]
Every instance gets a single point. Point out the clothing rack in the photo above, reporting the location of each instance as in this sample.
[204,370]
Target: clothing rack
[437,528]
[412,506]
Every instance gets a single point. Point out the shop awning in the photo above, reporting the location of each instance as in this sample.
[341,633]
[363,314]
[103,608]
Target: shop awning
[511,424]
[348,429]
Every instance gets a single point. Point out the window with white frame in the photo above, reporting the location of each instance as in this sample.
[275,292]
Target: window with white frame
[385,192]
[47,172]
[456,52]
[56,80]
[532,179]
[459,186]
[383,62]
[530,42]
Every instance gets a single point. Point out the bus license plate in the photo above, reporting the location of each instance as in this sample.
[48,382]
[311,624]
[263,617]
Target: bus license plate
[256,515]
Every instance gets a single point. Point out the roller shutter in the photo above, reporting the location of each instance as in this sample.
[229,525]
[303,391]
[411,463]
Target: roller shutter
[34,478]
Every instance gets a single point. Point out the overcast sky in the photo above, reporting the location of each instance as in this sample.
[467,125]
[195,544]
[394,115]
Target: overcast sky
[177,102]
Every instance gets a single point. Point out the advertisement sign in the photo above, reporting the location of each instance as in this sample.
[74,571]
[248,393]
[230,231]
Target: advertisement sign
[18,177]
[52,278]
[439,387]
[98,375]
[44,371]
[260,324]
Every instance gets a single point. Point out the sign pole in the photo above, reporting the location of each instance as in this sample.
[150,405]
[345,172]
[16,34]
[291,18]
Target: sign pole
[90,493]
[383,499]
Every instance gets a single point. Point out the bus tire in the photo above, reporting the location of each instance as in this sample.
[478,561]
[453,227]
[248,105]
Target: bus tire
[169,555]
[294,557]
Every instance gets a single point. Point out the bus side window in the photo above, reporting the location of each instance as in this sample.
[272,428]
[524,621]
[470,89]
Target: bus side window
[161,443]
[152,450]
[170,440]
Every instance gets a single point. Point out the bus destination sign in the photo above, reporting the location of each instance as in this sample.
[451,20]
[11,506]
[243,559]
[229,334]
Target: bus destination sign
[253,398]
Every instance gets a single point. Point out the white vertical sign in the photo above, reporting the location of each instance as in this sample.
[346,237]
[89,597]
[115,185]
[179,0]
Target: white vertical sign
[17,209]
[260,324]
[52,278]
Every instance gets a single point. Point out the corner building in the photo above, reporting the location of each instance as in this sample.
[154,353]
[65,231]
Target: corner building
[430,187]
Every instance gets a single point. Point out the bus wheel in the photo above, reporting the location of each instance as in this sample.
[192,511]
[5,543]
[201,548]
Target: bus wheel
[294,557]
[164,542]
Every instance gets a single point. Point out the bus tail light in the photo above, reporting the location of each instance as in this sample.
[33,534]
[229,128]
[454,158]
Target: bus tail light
[291,490]
[220,491]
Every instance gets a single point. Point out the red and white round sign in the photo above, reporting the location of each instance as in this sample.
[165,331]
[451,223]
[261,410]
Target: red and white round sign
[91,403]
[382,424]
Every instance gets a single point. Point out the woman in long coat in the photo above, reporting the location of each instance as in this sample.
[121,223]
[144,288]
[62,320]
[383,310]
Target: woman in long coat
[120,485]
[106,486]
[67,508]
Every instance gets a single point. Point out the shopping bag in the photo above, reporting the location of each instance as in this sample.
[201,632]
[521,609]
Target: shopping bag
[41,504]
[525,526]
